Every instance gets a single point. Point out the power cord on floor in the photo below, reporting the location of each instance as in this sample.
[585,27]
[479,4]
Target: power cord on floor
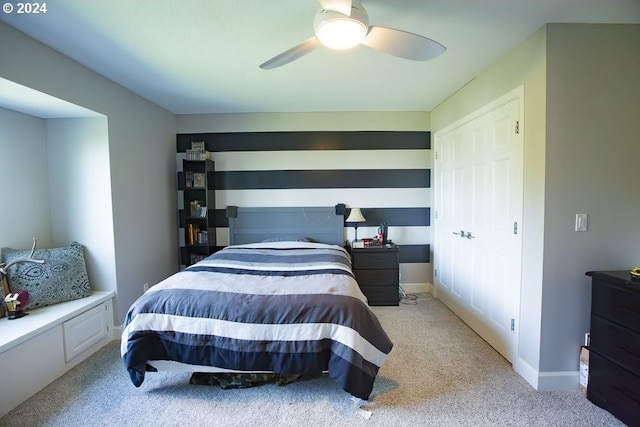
[413,299]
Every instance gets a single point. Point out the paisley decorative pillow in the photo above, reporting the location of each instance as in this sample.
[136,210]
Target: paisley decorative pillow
[62,276]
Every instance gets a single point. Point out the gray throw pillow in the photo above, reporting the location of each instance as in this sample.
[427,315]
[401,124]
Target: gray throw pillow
[62,276]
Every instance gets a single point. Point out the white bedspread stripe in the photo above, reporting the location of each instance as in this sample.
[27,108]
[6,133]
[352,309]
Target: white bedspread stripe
[255,332]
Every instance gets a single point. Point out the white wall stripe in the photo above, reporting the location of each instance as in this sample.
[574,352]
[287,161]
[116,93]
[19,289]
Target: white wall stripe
[352,197]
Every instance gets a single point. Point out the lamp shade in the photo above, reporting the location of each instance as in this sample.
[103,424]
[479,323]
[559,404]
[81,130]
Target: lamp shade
[355,216]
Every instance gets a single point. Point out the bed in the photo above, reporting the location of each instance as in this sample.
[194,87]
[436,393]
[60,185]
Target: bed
[281,298]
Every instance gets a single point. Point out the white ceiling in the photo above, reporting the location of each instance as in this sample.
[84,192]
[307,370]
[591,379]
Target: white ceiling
[202,56]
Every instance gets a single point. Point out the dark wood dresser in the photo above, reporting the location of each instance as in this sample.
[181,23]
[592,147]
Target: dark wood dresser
[377,270]
[614,349]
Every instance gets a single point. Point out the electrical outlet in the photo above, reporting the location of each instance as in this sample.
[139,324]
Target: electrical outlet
[145,287]
[587,336]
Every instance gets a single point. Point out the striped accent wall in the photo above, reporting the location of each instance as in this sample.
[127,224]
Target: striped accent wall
[385,173]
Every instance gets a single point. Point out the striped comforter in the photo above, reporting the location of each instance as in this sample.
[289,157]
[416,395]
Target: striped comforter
[284,307]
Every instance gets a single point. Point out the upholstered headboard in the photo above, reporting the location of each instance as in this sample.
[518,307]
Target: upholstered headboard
[252,225]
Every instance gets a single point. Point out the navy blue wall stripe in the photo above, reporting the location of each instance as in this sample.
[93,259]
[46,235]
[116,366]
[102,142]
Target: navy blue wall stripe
[415,253]
[321,140]
[409,254]
[399,217]
[338,178]
[419,217]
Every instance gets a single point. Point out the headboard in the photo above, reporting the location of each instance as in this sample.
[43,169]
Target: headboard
[252,225]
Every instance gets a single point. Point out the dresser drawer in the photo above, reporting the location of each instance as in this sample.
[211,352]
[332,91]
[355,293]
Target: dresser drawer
[614,389]
[616,303]
[374,259]
[617,343]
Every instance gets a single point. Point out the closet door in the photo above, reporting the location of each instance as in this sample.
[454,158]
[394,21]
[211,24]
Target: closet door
[478,201]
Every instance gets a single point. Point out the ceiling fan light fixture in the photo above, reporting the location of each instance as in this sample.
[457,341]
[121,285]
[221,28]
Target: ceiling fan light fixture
[337,31]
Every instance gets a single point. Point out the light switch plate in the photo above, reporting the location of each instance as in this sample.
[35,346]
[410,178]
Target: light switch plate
[581,222]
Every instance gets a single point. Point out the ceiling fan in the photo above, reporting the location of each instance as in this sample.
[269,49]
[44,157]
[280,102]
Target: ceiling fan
[343,24]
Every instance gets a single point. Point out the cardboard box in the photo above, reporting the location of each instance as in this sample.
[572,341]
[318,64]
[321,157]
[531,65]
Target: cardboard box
[584,369]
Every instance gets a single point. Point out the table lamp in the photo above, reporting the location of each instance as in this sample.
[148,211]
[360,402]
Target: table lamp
[355,216]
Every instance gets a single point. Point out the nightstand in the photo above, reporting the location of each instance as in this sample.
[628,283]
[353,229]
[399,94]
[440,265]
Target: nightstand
[377,270]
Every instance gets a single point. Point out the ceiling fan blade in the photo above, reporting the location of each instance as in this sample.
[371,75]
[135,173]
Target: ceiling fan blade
[292,54]
[403,44]
[342,6]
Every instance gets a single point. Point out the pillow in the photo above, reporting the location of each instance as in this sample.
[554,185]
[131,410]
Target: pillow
[288,239]
[62,276]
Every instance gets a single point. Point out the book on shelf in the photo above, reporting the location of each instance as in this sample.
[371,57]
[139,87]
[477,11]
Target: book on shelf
[197,154]
[195,235]
[192,231]
[197,209]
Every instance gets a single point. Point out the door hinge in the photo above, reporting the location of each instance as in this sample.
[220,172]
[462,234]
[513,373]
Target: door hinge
[435,215]
[517,127]
[515,228]
[435,272]
[513,324]
[436,155]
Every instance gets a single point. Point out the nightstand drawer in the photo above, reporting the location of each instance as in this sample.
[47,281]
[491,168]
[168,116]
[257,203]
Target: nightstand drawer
[374,259]
[377,278]
[381,295]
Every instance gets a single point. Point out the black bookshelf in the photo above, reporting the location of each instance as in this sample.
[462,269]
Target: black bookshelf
[197,228]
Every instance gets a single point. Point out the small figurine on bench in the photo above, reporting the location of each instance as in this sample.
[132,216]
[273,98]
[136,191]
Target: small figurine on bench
[17,300]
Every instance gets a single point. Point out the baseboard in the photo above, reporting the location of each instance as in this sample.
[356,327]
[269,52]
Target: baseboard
[416,288]
[547,381]
[526,371]
[556,381]
[117,331]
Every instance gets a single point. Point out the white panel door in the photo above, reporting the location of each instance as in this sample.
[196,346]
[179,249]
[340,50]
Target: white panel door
[478,191]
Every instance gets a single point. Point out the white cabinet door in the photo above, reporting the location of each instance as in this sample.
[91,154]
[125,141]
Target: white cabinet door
[85,330]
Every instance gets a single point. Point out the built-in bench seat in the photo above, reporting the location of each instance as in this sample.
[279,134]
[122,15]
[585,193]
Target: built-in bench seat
[40,347]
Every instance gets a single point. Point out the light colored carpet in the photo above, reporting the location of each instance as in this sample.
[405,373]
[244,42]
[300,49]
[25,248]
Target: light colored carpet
[440,373]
